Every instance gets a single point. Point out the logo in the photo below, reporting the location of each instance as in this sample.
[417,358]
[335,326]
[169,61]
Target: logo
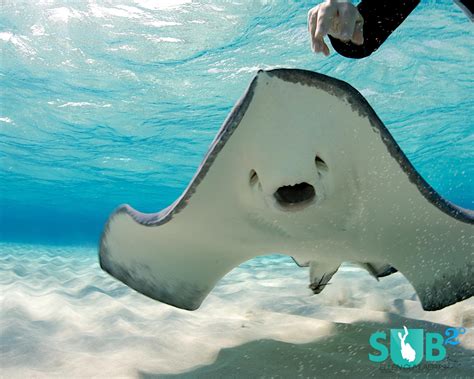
[408,347]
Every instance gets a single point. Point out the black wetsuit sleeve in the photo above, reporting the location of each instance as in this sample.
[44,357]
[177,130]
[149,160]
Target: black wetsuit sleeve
[381,18]
[467,6]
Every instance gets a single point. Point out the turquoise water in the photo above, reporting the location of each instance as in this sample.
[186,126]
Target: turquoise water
[108,103]
[103,103]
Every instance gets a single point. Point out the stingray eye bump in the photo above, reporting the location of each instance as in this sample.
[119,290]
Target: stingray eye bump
[253,177]
[320,164]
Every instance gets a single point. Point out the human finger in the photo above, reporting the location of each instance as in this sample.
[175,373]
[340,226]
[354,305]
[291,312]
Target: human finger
[312,20]
[358,36]
[347,20]
[325,18]
[325,48]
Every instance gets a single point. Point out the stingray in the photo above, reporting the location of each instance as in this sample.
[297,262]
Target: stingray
[302,166]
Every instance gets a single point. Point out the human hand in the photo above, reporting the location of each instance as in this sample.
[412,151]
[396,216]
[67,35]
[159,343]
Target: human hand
[339,19]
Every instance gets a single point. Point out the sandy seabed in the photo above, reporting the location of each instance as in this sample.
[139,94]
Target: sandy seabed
[61,316]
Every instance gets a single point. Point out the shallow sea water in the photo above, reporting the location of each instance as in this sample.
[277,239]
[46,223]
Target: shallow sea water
[103,103]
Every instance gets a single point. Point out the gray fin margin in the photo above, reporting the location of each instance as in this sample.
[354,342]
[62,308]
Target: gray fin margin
[300,264]
[448,290]
[180,294]
[358,102]
[225,132]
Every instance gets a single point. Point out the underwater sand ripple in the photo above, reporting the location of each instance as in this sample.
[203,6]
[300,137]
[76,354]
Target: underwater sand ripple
[60,314]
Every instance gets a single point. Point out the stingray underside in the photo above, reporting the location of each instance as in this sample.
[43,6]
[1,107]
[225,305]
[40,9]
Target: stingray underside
[301,166]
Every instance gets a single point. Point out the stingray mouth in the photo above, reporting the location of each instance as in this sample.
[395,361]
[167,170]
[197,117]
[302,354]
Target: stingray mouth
[297,195]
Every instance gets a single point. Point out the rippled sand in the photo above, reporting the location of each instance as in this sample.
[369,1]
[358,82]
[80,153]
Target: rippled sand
[62,316]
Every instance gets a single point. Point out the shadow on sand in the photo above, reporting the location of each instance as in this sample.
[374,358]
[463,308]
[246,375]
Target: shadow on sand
[342,354]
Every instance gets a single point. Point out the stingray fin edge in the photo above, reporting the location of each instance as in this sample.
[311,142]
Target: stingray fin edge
[447,290]
[190,298]
[300,263]
[179,293]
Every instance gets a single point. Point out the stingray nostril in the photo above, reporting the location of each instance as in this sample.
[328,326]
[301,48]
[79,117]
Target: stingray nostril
[253,177]
[320,164]
[297,194]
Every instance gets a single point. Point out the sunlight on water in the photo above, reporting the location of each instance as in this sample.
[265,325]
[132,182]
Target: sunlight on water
[108,103]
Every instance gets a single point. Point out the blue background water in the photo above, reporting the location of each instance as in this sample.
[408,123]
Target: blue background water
[108,103]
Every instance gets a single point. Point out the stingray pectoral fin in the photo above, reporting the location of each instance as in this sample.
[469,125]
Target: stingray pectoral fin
[350,194]
[161,262]
[439,285]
